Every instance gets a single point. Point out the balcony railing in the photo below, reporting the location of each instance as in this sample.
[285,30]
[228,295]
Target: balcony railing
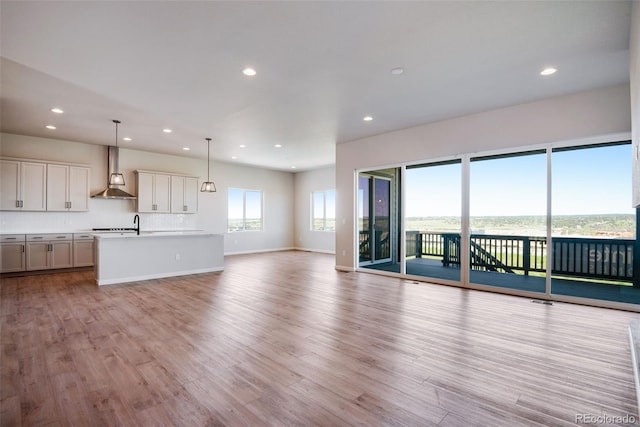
[594,258]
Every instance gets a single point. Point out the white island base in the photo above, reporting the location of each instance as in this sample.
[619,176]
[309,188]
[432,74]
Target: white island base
[152,255]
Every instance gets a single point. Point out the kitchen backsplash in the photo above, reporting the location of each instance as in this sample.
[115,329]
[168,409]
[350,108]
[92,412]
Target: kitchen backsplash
[102,214]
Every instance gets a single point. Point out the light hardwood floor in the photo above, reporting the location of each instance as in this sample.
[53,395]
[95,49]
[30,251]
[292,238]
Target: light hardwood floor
[284,339]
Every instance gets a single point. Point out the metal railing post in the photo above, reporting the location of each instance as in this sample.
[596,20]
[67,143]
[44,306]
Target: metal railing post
[446,253]
[526,255]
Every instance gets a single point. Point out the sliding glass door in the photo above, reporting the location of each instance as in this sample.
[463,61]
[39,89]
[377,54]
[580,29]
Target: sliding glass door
[593,223]
[375,219]
[433,206]
[508,211]
[555,221]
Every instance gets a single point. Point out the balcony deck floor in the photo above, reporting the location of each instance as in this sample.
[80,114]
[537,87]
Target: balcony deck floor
[433,268]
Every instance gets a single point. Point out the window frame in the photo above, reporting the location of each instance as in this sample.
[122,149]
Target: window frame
[244,210]
[312,221]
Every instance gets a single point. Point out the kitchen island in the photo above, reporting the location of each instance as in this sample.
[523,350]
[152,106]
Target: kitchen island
[129,257]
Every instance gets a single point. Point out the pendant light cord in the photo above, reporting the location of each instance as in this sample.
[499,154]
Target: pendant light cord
[117,122]
[208,157]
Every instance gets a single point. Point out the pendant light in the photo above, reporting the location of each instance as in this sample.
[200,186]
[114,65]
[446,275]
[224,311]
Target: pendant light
[208,186]
[116,178]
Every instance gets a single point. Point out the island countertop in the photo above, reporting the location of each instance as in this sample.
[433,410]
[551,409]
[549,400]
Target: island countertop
[159,233]
[129,257]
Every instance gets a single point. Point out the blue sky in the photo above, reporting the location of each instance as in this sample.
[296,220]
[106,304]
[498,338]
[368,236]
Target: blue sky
[585,181]
[237,200]
[592,181]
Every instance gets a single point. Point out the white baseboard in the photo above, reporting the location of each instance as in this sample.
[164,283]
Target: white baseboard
[344,268]
[260,251]
[320,251]
[156,276]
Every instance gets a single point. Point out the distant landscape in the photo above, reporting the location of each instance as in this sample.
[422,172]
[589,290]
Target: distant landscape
[610,225]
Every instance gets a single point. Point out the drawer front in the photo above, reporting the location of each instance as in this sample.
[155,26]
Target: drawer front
[82,236]
[49,237]
[12,238]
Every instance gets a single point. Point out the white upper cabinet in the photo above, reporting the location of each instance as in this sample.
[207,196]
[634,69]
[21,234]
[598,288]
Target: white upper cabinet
[9,185]
[67,188]
[57,187]
[184,194]
[79,188]
[35,186]
[154,192]
[23,186]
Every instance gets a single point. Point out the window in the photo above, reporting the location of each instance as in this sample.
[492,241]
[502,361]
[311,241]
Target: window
[433,206]
[554,220]
[508,220]
[323,210]
[593,224]
[244,210]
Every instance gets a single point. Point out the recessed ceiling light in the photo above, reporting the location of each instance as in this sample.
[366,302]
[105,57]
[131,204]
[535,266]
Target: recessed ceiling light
[367,118]
[548,71]
[186,148]
[249,72]
[293,167]
[278,145]
[126,138]
[242,146]
[397,71]
[57,110]
[234,157]
[167,130]
[52,127]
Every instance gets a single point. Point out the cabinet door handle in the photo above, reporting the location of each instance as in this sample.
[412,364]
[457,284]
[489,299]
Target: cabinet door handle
[185,208]
[22,248]
[11,238]
[37,237]
[49,247]
[17,203]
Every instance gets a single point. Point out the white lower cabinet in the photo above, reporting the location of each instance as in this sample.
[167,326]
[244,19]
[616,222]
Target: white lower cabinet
[31,252]
[38,257]
[49,251]
[12,253]
[83,250]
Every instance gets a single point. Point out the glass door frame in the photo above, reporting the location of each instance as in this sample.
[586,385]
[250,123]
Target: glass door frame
[371,178]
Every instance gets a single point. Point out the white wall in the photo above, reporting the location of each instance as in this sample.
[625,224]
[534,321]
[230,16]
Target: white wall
[305,183]
[634,70]
[277,188]
[587,114]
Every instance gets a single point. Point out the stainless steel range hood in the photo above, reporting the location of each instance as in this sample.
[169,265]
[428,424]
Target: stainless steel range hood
[112,191]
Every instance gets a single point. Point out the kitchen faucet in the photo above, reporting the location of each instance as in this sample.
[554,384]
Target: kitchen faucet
[136,222]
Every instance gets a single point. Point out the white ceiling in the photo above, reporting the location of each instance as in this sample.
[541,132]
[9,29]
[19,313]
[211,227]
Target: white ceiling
[321,67]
